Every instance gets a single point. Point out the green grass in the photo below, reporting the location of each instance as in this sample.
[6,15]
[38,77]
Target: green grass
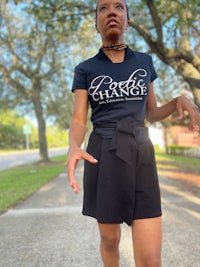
[18,183]
[177,162]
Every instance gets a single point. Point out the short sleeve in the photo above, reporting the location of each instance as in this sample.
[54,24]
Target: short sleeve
[153,71]
[80,79]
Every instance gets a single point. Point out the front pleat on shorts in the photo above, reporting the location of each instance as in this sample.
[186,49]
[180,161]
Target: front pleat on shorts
[117,192]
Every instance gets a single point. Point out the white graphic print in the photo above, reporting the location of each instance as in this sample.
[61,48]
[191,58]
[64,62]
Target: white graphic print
[105,90]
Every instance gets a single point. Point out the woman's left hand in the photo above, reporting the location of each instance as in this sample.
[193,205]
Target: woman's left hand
[185,104]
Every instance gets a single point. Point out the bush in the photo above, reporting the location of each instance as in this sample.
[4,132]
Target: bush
[193,152]
[177,150]
[184,151]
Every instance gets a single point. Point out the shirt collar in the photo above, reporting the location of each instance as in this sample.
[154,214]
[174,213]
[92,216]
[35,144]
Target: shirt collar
[102,56]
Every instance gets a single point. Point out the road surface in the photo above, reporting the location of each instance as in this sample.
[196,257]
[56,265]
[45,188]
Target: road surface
[8,160]
[48,230]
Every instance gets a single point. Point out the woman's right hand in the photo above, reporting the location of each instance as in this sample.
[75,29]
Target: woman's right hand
[74,155]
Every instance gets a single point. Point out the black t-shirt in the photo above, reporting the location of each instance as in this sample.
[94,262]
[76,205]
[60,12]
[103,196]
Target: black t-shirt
[116,90]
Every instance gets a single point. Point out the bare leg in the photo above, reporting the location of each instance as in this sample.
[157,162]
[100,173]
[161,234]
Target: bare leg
[147,242]
[109,247]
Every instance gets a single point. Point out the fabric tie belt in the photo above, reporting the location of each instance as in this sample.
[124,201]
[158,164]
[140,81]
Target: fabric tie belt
[125,134]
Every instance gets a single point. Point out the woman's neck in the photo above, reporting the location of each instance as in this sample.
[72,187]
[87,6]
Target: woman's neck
[116,56]
[115,47]
[112,40]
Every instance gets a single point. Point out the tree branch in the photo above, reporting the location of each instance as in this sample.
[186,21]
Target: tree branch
[187,56]
[164,53]
[17,59]
[156,20]
[41,55]
[14,83]
[154,44]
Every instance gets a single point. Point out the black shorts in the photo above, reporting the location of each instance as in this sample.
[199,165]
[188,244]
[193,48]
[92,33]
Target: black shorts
[117,192]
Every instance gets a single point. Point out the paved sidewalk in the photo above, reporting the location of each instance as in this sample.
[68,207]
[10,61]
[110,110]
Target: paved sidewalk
[48,230]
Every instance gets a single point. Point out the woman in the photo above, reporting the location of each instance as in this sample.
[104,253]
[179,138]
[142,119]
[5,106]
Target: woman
[120,178]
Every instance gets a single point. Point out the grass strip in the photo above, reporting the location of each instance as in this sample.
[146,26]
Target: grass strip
[17,183]
[177,163]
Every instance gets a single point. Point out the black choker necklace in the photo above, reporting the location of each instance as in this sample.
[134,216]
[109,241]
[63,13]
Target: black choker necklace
[115,47]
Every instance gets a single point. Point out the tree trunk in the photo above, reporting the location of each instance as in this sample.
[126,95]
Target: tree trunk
[36,97]
[166,139]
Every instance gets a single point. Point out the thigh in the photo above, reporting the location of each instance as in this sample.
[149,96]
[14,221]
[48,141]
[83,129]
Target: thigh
[147,239]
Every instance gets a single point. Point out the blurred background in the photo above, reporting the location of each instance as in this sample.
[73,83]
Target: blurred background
[42,41]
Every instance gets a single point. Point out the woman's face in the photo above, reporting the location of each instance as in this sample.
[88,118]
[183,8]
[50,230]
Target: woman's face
[112,20]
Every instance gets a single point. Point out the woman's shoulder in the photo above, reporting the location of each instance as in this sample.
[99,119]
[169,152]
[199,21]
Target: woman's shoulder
[142,55]
[87,63]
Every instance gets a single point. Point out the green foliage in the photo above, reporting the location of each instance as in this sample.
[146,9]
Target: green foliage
[177,150]
[12,136]
[57,13]
[60,108]
[166,17]
[192,152]
[33,65]
[57,137]
[67,29]
[11,125]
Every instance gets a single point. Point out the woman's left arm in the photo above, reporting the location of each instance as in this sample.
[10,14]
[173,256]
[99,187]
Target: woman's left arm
[178,104]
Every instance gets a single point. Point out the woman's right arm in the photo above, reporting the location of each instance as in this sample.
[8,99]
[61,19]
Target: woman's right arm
[76,137]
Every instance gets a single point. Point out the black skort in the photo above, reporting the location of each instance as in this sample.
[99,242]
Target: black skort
[116,191]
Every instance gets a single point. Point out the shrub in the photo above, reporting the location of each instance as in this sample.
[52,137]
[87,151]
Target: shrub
[184,151]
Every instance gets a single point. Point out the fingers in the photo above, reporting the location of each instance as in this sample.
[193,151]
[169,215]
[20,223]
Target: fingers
[184,104]
[75,186]
[71,177]
[73,158]
[180,111]
[195,118]
[89,158]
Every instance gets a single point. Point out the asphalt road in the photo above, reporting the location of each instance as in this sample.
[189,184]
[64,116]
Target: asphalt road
[8,160]
[48,230]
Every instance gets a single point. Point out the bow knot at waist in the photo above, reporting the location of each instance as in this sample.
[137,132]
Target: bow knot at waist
[125,134]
